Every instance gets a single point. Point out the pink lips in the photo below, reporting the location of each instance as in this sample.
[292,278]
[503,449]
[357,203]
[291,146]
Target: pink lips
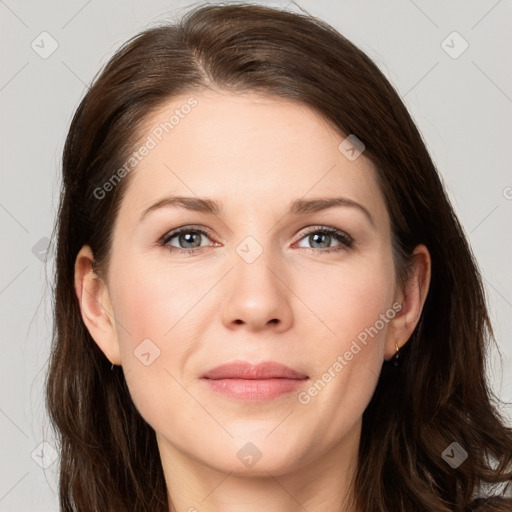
[245,381]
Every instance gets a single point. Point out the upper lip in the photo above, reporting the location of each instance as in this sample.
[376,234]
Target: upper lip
[246,370]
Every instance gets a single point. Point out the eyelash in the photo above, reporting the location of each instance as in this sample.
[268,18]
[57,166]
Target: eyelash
[346,241]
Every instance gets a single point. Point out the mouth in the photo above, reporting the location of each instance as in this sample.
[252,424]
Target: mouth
[244,381]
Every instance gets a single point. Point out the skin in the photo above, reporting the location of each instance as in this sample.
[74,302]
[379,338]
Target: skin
[295,304]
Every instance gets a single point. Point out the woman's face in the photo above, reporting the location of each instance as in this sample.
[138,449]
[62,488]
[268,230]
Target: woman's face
[269,276]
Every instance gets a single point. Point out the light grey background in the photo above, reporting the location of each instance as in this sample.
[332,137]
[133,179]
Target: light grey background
[462,106]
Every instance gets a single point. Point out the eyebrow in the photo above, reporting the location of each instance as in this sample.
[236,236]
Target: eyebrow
[297,207]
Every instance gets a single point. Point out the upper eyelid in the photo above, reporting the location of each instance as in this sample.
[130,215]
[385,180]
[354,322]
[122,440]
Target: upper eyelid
[320,227]
[177,231]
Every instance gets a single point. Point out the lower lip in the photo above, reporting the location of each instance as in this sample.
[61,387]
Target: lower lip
[254,389]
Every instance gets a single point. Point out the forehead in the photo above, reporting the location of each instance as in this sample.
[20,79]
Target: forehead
[247,149]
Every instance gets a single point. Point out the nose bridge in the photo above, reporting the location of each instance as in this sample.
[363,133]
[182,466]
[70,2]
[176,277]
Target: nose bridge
[257,294]
[255,265]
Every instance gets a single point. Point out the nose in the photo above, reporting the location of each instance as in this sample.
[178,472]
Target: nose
[257,296]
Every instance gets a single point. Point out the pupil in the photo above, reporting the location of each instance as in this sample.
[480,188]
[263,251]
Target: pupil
[188,238]
[316,237]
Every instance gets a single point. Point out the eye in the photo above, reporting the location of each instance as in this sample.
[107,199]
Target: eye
[322,236]
[188,239]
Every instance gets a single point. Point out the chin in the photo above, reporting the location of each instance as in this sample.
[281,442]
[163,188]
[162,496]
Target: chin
[273,464]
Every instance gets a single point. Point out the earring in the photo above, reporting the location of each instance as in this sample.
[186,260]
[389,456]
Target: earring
[396,361]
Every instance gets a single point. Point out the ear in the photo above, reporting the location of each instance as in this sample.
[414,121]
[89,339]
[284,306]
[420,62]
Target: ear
[412,299]
[95,305]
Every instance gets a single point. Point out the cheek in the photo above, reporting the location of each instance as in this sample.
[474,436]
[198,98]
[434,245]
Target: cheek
[353,317]
[152,304]
[349,299]
[159,312]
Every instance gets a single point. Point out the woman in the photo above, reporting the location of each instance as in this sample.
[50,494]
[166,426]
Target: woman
[264,299]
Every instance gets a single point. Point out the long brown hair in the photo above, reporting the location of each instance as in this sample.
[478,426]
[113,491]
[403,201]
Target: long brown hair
[109,456]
